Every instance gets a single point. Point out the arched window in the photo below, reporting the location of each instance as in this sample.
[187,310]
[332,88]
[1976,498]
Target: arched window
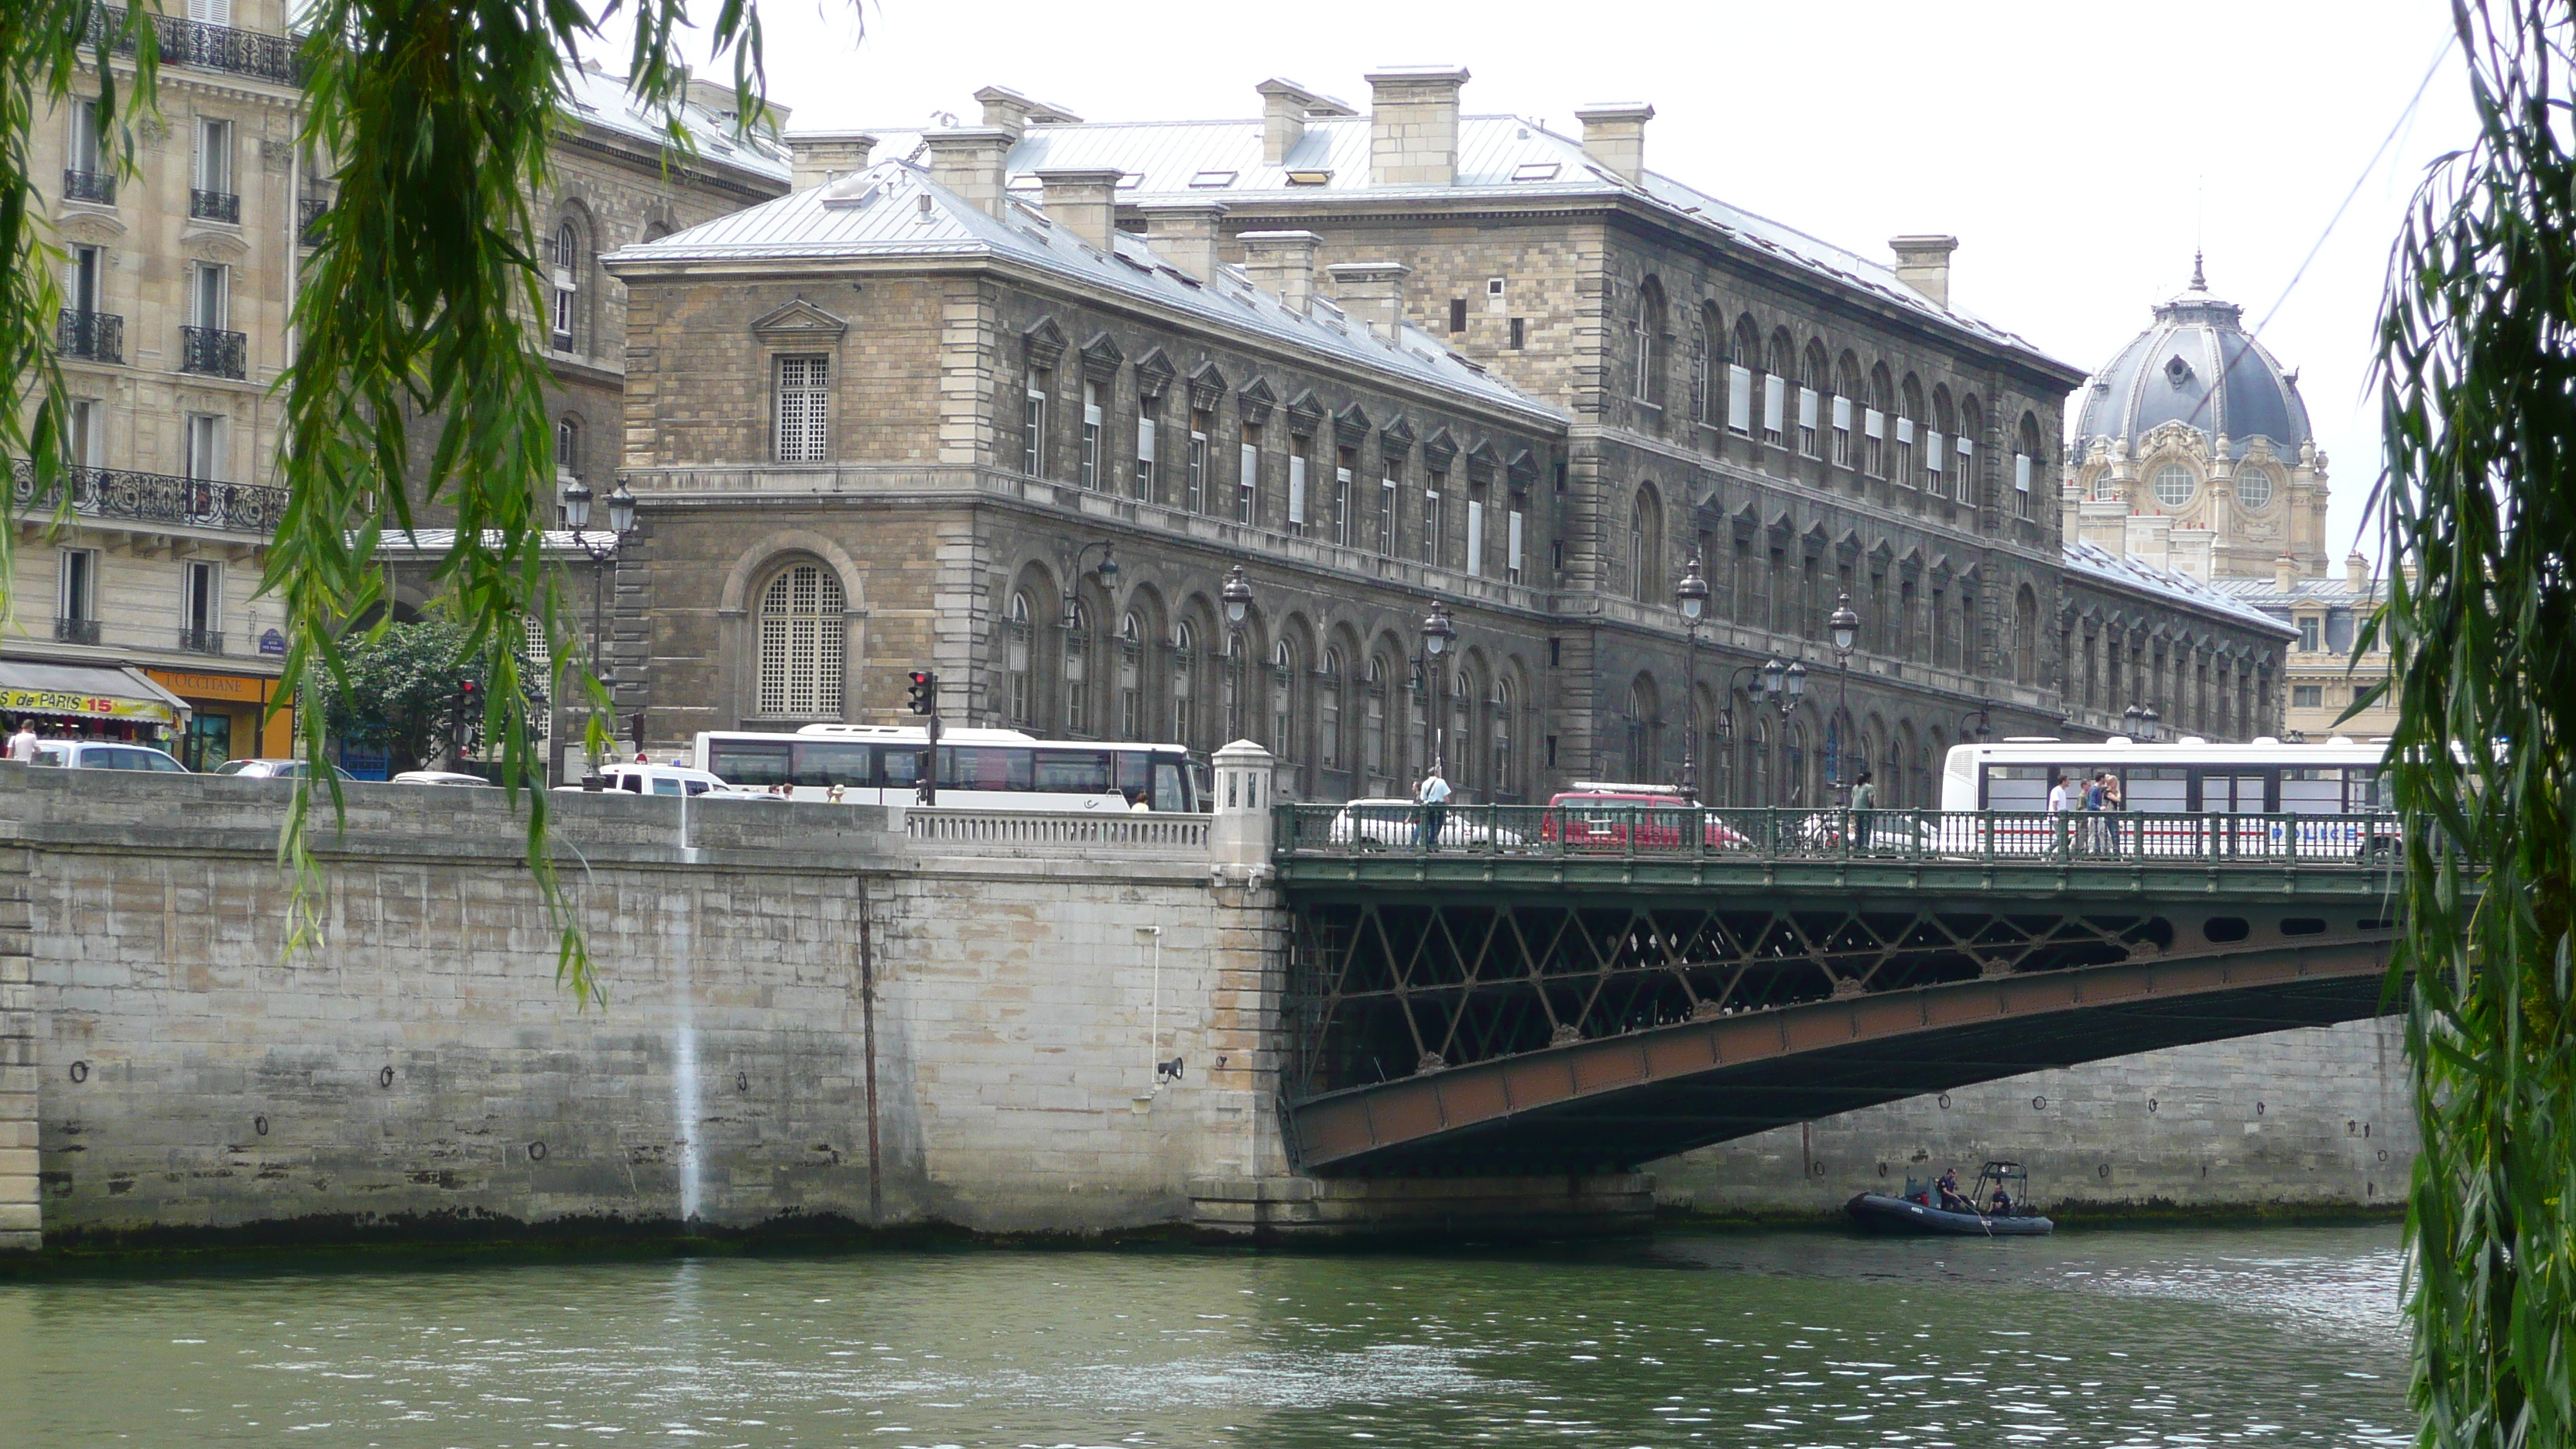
[1131,677]
[1328,729]
[1184,663]
[1643,324]
[1507,780]
[1377,722]
[1793,763]
[1757,766]
[1699,370]
[1463,693]
[2025,639]
[1645,755]
[1646,546]
[568,447]
[1283,700]
[1077,673]
[801,624]
[565,255]
[1015,659]
[1891,777]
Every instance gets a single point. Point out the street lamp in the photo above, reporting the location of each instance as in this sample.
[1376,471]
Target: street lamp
[1843,626]
[1237,595]
[1692,595]
[602,550]
[2133,721]
[1984,726]
[1437,635]
[1107,572]
[2150,724]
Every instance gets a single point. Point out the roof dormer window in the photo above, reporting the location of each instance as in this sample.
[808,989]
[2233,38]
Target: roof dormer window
[1213,178]
[2177,371]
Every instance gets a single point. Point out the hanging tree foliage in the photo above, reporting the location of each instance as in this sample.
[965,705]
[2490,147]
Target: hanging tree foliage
[2478,366]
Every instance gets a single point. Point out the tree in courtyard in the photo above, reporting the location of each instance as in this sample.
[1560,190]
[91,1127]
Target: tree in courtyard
[415,692]
[2477,359]
[420,301]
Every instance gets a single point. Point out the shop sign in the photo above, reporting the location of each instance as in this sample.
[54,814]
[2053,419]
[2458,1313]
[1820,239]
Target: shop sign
[272,642]
[95,706]
[246,688]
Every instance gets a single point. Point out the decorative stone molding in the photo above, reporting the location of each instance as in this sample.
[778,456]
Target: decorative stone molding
[1153,374]
[798,321]
[1305,414]
[1255,400]
[1350,426]
[1043,344]
[1395,436]
[1207,386]
[1101,358]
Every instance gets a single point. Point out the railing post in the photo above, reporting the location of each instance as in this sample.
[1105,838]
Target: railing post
[1242,832]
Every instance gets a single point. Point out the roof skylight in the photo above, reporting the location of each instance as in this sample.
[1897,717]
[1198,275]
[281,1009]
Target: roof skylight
[1536,171]
[1213,178]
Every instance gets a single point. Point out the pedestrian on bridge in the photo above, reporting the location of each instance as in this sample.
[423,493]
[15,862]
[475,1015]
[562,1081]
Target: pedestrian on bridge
[1433,796]
[1864,797]
[2057,821]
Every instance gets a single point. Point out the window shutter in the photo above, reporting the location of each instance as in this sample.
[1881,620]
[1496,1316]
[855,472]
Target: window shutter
[1807,408]
[1512,540]
[1967,470]
[1905,431]
[1475,538]
[2021,472]
[1874,423]
[1775,401]
[1739,398]
[1932,454]
[1842,414]
[1144,440]
[1296,488]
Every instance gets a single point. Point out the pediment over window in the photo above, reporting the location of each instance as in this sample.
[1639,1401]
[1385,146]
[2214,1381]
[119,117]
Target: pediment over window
[1350,426]
[1255,401]
[1522,470]
[214,244]
[1207,385]
[1439,450]
[1483,462]
[1395,436]
[99,228]
[1153,373]
[798,319]
[1880,553]
[1100,357]
[1043,344]
[1305,414]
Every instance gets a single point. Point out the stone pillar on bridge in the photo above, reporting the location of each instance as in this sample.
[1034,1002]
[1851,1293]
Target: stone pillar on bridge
[1239,839]
[1247,971]
[21,1209]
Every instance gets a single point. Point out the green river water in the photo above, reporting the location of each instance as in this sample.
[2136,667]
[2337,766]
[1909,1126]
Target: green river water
[2271,1336]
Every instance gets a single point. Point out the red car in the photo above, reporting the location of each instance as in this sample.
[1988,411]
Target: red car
[1631,816]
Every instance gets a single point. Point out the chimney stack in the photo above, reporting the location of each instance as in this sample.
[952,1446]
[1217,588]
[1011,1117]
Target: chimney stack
[1923,263]
[1413,125]
[1282,263]
[1614,134]
[1185,233]
[1008,110]
[1084,202]
[1373,292]
[2356,574]
[820,156]
[1285,108]
[2150,539]
[968,160]
[2285,573]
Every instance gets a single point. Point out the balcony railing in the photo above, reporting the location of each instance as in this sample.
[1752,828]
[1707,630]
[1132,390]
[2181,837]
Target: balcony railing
[98,186]
[153,498]
[96,336]
[211,47]
[214,205]
[202,641]
[213,351]
[308,217]
[75,631]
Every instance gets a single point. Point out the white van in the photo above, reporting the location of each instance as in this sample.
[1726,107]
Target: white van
[659,780]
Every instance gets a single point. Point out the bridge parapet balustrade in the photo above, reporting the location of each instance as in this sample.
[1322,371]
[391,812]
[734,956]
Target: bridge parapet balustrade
[1130,834]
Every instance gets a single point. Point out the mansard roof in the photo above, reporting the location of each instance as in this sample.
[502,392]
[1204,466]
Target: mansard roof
[1502,159]
[602,100]
[2087,562]
[894,212]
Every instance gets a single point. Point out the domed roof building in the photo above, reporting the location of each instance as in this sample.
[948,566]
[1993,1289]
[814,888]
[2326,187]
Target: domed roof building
[2192,446]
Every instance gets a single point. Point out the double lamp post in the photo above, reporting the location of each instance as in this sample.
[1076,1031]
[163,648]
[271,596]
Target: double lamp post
[1782,683]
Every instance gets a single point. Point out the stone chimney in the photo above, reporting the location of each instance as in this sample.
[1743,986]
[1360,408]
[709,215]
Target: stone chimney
[2191,550]
[1007,110]
[1923,263]
[1285,108]
[821,156]
[2150,539]
[1084,202]
[2285,573]
[2103,523]
[1413,125]
[1373,293]
[2356,574]
[1282,263]
[1185,233]
[1614,134]
[968,160]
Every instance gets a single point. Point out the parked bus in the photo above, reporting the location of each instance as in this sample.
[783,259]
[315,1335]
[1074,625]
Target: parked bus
[979,769]
[2339,778]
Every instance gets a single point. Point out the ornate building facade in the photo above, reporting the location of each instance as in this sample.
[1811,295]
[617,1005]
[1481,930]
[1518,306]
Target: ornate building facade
[900,416]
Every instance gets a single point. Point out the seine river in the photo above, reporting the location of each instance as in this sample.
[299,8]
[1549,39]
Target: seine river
[2280,1336]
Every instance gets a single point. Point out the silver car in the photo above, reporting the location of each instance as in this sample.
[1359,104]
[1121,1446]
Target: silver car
[106,755]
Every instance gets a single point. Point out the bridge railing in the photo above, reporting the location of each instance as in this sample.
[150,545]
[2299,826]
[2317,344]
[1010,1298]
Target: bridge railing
[1138,833]
[1660,832]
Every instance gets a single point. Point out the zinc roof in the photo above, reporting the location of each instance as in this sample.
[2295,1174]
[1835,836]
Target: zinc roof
[2135,573]
[1499,157]
[893,210]
[602,100]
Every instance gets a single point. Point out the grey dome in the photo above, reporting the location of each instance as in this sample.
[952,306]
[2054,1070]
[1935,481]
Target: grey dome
[2195,365]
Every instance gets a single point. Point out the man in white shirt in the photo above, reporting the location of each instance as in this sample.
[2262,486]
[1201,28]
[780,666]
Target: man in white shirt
[2056,807]
[1433,796]
[22,745]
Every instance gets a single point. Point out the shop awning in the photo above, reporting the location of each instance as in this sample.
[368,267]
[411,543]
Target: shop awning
[88,691]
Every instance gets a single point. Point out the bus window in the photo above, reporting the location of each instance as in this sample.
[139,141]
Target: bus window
[833,762]
[902,767]
[2224,794]
[1135,774]
[748,762]
[2312,790]
[2367,790]
[1170,786]
[2017,787]
[2158,789]
[983,767]
[1072,772]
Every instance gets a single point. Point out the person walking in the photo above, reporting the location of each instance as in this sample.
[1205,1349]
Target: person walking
[22,745]
[1864,797]
[2113,800]
[1433,796]
[2057,821]
[2093,806]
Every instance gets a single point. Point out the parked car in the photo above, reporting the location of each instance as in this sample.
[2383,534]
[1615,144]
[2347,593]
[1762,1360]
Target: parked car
[1617,817]
[442,777]
[270,769]
[106,755]
[1396,822]
[659,780]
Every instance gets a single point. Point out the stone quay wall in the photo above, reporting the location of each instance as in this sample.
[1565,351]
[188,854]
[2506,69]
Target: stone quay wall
[421,1066]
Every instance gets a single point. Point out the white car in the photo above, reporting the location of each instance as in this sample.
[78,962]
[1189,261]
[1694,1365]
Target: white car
[1397,822]
[270,769]
[659,780]
[442,777]
[105,755]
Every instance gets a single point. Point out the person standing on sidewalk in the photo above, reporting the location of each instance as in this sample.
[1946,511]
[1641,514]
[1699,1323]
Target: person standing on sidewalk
[1433,796]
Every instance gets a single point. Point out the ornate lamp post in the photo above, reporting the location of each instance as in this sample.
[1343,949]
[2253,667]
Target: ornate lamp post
[1984,727]
[603,551]
[1108,574]
[1437,635]
[1237,597]
[1844,627]
[1784,684]
[1692,595]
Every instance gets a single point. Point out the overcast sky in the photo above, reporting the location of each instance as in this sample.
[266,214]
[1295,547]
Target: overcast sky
[2077,151]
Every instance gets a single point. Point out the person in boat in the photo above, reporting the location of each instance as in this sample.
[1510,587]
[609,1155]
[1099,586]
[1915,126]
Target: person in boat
[2001,1204]
[1948,1188]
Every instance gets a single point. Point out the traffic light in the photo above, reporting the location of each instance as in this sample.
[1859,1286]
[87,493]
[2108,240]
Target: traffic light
[923,698]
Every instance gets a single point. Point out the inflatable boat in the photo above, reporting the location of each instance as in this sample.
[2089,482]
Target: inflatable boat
[1914,1212]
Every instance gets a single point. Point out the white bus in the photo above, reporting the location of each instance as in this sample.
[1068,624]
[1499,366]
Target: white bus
[979,769]
[2339,777]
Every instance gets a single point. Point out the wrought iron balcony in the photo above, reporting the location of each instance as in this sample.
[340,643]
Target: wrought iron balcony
[214,206]
[213,351]
[96,336]
[308,217]
[75,631]
[98,186]
[211,47]
[202,641]
[106,493]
